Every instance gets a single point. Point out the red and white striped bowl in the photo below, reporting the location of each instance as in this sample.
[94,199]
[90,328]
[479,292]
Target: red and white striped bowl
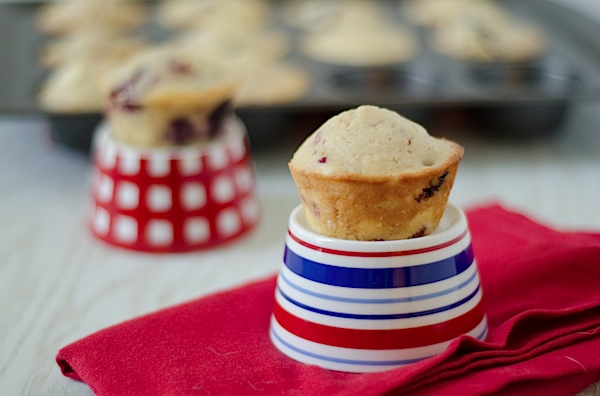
[173,199]
[359,306]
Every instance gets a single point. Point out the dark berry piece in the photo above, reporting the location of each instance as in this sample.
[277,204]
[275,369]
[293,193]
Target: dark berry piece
[181,68]
[433,188]
[181,131]
[124,96]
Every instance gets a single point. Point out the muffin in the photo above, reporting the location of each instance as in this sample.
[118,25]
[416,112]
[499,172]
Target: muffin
[235,47]
[272,84]
[496,40]
[432,13]
[70,16]
[476,30]
[73,84]
[370,174]
[315,15]
[69,88]
[202,14]
[162,99]
[360,35]
[367,46]
[101,46]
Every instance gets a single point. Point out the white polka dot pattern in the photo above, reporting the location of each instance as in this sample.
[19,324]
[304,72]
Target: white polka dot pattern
[250,210]
[101,221]
[190,166]
[244,179]
[196,230]
[158,198]
[159,166]
[159,232]
[193,195]
[223,189]
[128,195]
[105,187]
[174,200]
[126,228]
[130,163]
[228,222]
[108,156]
[218,158]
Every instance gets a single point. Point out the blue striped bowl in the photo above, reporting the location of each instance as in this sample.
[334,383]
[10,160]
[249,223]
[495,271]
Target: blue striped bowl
[359,306]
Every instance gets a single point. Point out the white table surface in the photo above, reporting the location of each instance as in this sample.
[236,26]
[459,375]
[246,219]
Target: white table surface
[58,284]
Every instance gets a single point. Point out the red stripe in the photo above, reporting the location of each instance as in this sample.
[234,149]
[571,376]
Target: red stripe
[379,339]
[377,254]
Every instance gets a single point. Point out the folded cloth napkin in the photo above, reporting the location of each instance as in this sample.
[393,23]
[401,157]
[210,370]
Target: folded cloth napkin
[541,293]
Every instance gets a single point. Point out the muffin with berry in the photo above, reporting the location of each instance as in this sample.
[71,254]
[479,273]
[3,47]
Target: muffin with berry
[370,174]
[164,99]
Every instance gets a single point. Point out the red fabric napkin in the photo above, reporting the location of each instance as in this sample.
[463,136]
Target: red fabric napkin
[541,290]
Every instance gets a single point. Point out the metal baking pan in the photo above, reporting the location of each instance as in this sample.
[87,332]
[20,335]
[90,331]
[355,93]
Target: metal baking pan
[507,100]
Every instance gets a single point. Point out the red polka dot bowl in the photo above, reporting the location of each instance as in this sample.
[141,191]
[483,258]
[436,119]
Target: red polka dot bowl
[173,199]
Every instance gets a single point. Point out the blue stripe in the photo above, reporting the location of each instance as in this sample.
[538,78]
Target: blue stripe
[483,333]
[380,317]
[378,300]
[378,278]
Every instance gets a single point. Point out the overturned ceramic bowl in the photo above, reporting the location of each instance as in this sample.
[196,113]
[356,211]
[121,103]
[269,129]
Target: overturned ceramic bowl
[358,306]
[173,199]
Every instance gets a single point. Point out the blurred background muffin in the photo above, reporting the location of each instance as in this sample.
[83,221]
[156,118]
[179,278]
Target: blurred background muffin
[294,57]
[359,33]
[476,30]
[70,16]
[162,98]
[194,14]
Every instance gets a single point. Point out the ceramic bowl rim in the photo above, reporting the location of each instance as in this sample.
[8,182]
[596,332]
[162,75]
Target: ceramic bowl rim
[452,226]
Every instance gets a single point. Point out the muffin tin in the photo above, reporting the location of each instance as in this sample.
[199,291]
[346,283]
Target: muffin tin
[507,100]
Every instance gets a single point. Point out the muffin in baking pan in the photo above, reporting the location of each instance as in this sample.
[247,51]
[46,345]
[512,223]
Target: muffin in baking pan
[498,40]
[476,30]
[77,66]
[359,34]
[181,15]
[68,16]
